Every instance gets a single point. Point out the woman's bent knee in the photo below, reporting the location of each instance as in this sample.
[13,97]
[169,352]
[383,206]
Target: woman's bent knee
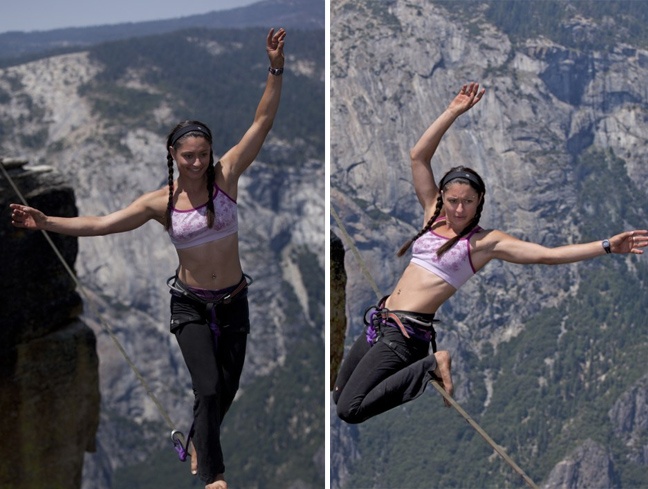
[348,414]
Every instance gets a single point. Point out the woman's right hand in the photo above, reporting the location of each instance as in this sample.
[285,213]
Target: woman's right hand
[466,99]
[27,217]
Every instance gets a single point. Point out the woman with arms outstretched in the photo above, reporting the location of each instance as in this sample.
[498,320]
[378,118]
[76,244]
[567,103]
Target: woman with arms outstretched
[390,363]
[209,307]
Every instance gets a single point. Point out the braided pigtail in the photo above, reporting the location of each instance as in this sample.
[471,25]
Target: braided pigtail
[167,216]
[465,232]
[211,178]
[426,228]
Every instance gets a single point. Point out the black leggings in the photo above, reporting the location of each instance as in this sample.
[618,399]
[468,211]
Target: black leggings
[374,378]
[215,364]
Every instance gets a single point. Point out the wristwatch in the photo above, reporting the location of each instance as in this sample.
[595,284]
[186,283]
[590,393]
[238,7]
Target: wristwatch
[275,71]
[606,246]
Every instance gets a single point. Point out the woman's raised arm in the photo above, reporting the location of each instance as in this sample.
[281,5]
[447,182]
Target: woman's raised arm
[422,152]
[237,159]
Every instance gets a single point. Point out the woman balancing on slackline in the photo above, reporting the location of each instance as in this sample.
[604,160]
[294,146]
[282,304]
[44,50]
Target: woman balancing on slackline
[199,211]
[389,363]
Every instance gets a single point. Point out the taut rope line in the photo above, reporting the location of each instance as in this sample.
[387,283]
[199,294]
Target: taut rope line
[103,324]
[356,253]
[500,451]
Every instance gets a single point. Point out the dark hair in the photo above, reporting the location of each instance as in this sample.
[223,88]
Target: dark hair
[179,133]
[457,174]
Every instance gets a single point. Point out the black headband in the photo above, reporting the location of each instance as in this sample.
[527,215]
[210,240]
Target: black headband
[187,129]
[461,174]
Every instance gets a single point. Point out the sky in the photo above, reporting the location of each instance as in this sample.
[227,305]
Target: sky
[45,15]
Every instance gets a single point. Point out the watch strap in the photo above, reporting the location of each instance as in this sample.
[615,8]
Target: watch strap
[606,246]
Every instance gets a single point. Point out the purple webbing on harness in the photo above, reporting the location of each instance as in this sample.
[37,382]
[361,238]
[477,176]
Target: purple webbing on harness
[421,334]
[213,325]
[371,333]
[210,296]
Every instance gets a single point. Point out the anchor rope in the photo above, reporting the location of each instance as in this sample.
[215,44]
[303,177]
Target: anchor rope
[498,449]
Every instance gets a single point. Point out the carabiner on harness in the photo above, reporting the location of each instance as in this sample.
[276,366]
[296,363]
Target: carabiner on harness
[182,449]
[178,446]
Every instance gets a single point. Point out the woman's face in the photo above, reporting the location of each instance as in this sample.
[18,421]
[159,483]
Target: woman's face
[460,202]
[192,157]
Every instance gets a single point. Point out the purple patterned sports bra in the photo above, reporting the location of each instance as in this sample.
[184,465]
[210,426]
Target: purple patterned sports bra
[454,266]
[189,228]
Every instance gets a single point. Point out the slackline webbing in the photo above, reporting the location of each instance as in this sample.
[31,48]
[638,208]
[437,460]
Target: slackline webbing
[498,449]
[103,323]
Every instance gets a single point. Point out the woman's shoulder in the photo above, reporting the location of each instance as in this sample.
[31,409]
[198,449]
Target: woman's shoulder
[160,194]
[155,200]
[484,239]
[490,235]
[485,244]
[490,240]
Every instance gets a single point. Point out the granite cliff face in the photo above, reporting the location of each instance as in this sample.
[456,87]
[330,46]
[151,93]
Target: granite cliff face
[590,465]
[629,416]
[394,67]
[49,382]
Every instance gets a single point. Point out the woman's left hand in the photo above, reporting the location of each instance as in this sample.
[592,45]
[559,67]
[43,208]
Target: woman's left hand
[274,47]
[629,242]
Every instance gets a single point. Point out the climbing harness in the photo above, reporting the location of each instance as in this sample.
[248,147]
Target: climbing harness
[178,288]
[209,298]
[498,449]
[410,324]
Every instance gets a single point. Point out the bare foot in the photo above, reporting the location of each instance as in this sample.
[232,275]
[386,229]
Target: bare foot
[194,459]
[442,372]
[219,483]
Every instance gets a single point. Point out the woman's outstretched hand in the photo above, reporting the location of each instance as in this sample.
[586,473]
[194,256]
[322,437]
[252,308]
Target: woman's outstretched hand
[467,98]
[27,217]
[274,47]
[629,242]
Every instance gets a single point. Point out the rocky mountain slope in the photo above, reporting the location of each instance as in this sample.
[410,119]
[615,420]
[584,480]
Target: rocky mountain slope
[559,139]
[48,118]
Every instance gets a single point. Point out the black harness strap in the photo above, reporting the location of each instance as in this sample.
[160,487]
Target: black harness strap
[178,288]
[381,314]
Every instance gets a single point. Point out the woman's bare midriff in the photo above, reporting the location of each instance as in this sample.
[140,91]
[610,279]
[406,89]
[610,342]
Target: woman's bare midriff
[419,290]
[215,265]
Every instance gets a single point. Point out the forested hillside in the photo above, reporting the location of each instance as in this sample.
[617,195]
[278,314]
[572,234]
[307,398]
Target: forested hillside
[175,71]
[611,22]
